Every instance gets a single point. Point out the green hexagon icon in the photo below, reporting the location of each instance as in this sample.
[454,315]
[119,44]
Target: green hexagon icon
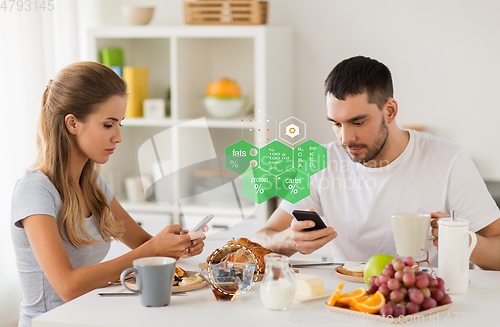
[276,158]
[259,185]
[293,185]
[310,157]
[242,156]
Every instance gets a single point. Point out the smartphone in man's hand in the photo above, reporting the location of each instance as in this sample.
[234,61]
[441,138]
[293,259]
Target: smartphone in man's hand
[309,215]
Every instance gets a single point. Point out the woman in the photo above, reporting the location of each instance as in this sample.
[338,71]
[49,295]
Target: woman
[64,215]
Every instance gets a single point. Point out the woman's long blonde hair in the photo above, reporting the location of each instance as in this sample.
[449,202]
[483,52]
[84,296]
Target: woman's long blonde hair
[77,89]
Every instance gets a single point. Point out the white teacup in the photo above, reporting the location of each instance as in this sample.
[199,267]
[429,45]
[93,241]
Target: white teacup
[410,233]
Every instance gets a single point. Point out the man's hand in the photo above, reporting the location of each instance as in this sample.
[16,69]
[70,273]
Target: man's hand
[308,242]
[434,224]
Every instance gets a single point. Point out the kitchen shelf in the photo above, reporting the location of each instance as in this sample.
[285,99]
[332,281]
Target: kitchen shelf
[215,123]
[185,59]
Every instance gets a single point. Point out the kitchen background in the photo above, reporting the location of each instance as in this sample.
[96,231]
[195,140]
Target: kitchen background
[443,56]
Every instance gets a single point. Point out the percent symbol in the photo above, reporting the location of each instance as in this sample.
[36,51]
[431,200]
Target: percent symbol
[233,163]
[292,189]
[259,188]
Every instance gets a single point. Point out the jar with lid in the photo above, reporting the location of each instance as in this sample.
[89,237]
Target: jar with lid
[277,289]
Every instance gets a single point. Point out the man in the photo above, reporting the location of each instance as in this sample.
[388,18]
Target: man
[376,169]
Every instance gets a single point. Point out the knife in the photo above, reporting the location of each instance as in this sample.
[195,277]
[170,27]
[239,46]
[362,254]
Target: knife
[134,294]
[304,265]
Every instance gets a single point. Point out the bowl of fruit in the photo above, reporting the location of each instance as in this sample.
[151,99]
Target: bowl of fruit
[223,98]
[400,291]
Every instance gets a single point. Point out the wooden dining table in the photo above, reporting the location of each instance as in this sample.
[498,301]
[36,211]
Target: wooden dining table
[479,306]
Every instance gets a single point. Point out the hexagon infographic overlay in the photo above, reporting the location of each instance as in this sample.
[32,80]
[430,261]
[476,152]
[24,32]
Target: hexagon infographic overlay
[276,169]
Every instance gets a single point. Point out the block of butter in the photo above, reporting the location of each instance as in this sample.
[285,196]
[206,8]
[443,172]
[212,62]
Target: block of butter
[309,285]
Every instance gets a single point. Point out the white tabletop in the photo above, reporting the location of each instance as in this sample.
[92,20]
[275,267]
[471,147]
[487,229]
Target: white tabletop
[479,306]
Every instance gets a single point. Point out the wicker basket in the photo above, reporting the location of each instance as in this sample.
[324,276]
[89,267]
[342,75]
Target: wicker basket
[225,12]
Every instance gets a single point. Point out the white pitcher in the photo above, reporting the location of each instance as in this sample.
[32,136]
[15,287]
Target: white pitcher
[454,253]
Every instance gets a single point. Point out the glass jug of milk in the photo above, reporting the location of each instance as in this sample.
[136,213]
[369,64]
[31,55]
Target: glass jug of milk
[278,286]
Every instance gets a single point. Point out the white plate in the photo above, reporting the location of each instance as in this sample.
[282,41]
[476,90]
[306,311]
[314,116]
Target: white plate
[304,299]
[349,278]
[377,318]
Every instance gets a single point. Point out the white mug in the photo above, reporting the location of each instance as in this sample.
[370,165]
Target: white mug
[410,233]
[454,252]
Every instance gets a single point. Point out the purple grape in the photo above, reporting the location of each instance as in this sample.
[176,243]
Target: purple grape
[409,279]
[428,303]
[436,294]
[412,289]
[398,264]
[372,289]
[425,292]
[371,280]
[409,270]
[441,288]
[386,310]
[377,281]
[420,273]
[416,297]
[399,275]
[404,291]
[421,281]
[399,310]
[383,279]
[409,261]
[384,290]
[412,308]
[433,282]
[389,272]
[393,284]
[397,296]
[389,265]
[445,300]
[440,281]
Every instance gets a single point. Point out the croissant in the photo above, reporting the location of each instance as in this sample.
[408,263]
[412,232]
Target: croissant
[241,250]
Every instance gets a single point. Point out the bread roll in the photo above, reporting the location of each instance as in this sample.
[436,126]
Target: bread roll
[241,250]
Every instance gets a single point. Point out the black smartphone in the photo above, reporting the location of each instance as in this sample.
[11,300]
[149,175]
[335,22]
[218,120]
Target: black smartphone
[309,215]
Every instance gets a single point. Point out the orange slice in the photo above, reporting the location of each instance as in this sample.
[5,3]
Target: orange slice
[355,301]
[373,304]
[333,298]
[347,297]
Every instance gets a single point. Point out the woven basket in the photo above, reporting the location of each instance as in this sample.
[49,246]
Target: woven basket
[225,12]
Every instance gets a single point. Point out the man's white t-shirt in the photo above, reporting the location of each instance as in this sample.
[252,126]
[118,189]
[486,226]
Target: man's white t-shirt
[430,175]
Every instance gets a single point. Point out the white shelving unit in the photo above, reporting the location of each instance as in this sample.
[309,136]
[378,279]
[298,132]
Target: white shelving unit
[186,59]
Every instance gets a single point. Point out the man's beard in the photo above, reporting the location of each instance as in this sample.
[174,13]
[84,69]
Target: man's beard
[373,151]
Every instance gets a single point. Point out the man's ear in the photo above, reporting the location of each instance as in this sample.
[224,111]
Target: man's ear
[391,110]
[71,123]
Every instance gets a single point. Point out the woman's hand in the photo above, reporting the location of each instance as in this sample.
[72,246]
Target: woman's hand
[197,243]
[171,242]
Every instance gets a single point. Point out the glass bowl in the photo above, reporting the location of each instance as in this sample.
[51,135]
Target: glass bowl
[233,272]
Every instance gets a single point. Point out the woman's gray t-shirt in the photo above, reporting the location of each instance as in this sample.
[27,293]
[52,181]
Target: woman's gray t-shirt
[34,194]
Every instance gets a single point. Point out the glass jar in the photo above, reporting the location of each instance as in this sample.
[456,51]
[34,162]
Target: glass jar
[277,289]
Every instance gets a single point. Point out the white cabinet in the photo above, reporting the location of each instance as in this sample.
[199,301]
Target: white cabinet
[185,59]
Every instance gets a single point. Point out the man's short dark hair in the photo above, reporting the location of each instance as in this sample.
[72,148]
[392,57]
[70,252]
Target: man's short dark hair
[360,74]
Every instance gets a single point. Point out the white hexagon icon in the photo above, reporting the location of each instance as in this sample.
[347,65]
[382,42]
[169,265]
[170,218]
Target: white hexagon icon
[292,130]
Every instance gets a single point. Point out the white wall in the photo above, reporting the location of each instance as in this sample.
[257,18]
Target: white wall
[443,55]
